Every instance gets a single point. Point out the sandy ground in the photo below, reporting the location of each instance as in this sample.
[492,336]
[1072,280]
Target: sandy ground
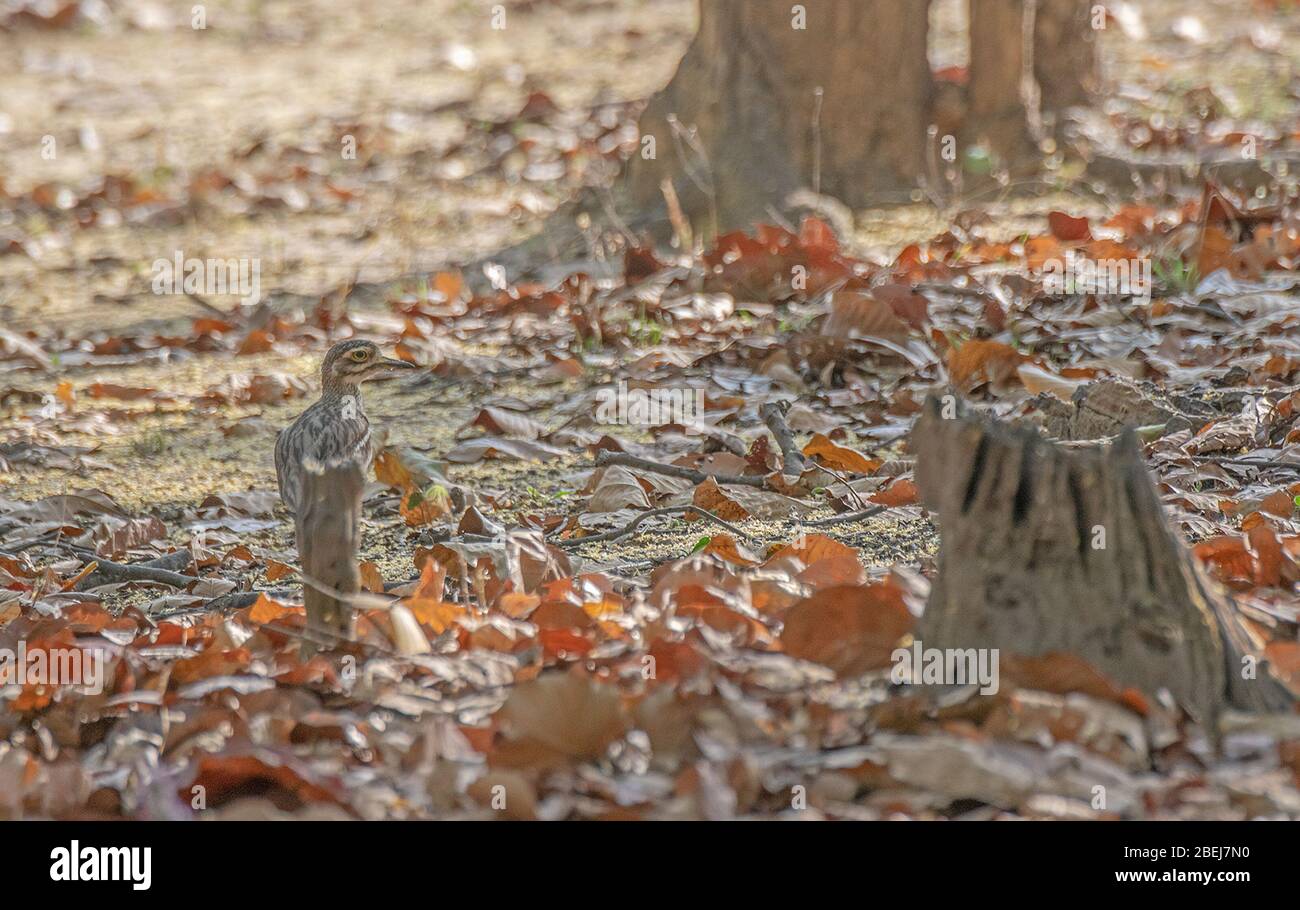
[269,85]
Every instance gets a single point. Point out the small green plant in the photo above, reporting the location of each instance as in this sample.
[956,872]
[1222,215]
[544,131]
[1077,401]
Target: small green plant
[1175,276]
[644,330]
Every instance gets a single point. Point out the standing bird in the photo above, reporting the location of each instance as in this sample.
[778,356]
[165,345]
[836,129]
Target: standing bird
[320,462]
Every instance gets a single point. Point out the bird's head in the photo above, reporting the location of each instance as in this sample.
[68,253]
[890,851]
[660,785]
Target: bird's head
[350,363]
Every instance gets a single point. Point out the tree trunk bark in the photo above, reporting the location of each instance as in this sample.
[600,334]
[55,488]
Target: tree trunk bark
[769,100]
[996,114]
[832,96]
[1046,549]
[1065,54]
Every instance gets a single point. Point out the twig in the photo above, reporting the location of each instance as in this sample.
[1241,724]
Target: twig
[605,459]
[653,513]
[117,571]
[172,562]
[848,486]
[792,460]
[1247,462]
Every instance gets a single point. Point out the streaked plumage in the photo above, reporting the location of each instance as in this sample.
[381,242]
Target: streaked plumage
[321,462]
[334,430]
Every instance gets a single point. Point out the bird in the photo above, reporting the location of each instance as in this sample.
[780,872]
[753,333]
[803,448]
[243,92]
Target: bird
[320,465]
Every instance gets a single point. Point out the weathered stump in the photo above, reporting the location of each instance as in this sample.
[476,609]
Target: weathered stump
[1045,549]
[329,538]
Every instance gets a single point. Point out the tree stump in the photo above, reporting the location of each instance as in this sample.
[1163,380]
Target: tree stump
[1046,549]
[329,538]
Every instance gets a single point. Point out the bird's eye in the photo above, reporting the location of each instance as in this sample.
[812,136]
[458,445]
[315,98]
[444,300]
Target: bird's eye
[360,354]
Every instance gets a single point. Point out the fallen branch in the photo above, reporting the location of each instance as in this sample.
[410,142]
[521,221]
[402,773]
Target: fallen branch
[110,572]
[792,460]
[654,513]
[172,562]
[606,459]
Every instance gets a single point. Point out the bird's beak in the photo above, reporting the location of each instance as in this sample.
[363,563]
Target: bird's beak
[393,365]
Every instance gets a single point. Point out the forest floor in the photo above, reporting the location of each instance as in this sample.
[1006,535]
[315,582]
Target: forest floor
[133,424]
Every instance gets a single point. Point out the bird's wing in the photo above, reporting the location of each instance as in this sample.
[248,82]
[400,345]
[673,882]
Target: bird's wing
[319,440]
[334,443]
[287,471]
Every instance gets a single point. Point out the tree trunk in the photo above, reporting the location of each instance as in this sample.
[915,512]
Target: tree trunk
[1047,549]
[1065,54]
[996,115]
[832,96]
[765,103]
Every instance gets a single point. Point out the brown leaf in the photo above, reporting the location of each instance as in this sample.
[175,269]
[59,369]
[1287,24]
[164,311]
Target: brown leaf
[850,628]
[709,495]
[1060,672]
[902,492]
[979,360]
[473,450]
[856,315]
[500,422]
[558,718]
[1066,227]
[617,489]
[277,570]
[372,579]
[838,457]
[724,546]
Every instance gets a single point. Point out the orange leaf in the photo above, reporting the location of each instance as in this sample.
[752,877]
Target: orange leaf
[516,605]
[277,570]
[902,492]
[419,508]
[851,629]
[979,360]
[709,495]
[724,546]
[438,615]
[432,575]
[390,470]
[838,457]
[371,578]
[1060,672]
[1067,227]
[257,342]
[266,610]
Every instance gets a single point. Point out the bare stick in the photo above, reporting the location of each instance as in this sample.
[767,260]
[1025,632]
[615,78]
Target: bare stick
[110,571]
[172,562]
[605,459]
[653,513]
[792,460]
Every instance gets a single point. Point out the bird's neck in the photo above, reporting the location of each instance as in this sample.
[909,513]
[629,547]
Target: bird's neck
[337,390]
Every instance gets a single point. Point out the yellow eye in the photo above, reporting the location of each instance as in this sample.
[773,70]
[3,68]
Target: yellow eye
[359,354]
